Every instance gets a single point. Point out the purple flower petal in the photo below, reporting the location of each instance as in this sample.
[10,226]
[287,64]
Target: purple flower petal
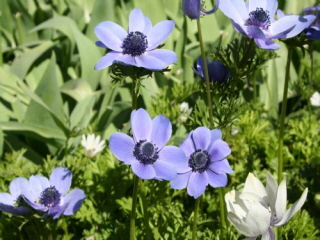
[147,26]
[73,200]
[254,4]
[266,44]
[100,44]
[221,167]
[272,6]
[197,184]
[16,186]
[7,199]
[188,146]
[191,8]
[181,181]
[219,150]
[161,131]
[164,170]
[201,137]
[143,171]
[159,33]
[175,156]
[141,124]
[111,35]
[156,59]
[290,26]
[108,60]
[37,184]
[215,135]
[121,145]
[136,21]
[235,10]
[61,178]
[217,180]
[14,210]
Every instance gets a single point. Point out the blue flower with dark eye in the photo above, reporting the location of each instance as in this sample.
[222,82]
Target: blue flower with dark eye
[146,151]
[205,162]
[138,46]
[256,19]
[50,195]
[217,71]
[313,32]
[10,202]
[194,8]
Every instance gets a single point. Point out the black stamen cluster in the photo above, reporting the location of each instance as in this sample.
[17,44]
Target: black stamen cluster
[135,44]
[50,197]
[259,18]
[146,152]
[199,161]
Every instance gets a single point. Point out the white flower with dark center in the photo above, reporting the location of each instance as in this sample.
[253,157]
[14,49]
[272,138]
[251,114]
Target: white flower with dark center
[92,144]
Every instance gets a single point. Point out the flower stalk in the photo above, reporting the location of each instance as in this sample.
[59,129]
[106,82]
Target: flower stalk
[133,208]
[195,218]
[209,102]
[283,115]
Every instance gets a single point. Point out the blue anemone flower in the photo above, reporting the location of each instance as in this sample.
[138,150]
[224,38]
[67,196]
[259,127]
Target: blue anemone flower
[146,151]
[50,195]
[313,32]
[194,8]
[217,71]
[205,162]
[138,46]
[256,20]
[10,202]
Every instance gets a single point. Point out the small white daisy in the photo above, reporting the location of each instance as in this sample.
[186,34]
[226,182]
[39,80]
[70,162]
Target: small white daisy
[315,99]
[92,144]
[185,111]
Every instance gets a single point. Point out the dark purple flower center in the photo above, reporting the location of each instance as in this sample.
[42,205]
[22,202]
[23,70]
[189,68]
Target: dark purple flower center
[50,197]
[199,161]
[146,152]
[135,44]
[259,18]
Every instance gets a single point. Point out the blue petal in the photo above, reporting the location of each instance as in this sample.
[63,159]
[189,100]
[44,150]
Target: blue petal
[164,170]
[73,200]
[121,145]
[159,33]
[235,10]
[191,8]
[254,4]
[141,124]
[181,181]
[266,44]
[14,210]
[61,178]
[221,167]
[156,59]
[176,157]
[161,131]
[272,6]
[111,35]
[217,180]
[219,150]
[107,60]
[136,20]
[197,184]
[143,171]
[188,146]
[16,186]
[37,184]
[201,137]
[7,199]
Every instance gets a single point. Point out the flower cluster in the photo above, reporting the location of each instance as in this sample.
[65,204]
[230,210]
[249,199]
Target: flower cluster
[43,194]
[200,160]
[256,210]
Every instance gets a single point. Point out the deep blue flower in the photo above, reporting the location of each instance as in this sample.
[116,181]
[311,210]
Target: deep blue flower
[146,151]
[137,47]
[194,8]
[313,32]
[217,71]
[51,195]
[10,202]
[205,162]
[256,20]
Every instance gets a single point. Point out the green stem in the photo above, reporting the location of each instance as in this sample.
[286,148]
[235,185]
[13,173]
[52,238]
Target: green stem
[133,208]
[206,73]
[19,28]
[195,218]
[209,102]
[246,55]
[145,210]
[283,114]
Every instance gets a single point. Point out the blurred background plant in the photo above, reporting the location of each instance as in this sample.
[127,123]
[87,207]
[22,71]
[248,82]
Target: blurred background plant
[50,95]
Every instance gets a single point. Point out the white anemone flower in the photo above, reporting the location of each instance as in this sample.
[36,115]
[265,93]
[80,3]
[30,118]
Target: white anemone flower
[315,99]
[92,144]
[185,111]
[257,210]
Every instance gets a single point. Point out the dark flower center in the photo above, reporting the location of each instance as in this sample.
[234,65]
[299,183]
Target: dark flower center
[135,44]
[146,152]
[50,197]
[259,18]
[199,161]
